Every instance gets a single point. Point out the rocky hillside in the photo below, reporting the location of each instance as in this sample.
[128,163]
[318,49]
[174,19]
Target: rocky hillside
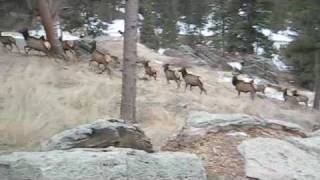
[40,97]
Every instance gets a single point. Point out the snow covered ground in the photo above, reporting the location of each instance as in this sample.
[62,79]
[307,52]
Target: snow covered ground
[280,39]
[114,28]
[184,29]
[235,65]
[38,33]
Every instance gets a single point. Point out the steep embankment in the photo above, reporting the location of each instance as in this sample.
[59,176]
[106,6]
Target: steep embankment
[40,97]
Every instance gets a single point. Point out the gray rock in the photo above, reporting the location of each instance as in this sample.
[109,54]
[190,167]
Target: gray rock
[310,145]
[101,164]
[100,134]
[224,122]
[274,159]
[315,133]
[217,122]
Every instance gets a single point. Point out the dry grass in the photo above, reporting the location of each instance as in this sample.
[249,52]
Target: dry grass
[40,97]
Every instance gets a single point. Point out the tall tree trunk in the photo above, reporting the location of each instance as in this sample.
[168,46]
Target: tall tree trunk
[128,100]
[49,21]
[316,104]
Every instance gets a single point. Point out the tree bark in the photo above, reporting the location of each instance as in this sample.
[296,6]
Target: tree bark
[128,100]
[316,104]
[50,21]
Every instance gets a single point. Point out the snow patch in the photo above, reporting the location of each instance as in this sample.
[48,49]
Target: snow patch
[280,38]
[279,64]
[114,27]
[184,28]
[235,65]
[274,94]
[161,51]
[38,33]
[238,134]
[15,35]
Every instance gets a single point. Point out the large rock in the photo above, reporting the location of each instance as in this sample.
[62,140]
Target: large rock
[100,134]
[101,164]
[225,122]
[274,159]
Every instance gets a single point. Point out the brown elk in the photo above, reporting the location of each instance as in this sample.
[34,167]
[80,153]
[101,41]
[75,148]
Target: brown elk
[242,86]
[192,80]
[171,75]
[8,41]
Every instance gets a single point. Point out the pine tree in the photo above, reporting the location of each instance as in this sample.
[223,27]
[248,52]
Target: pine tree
[149,24]
[168,13]
[304,51]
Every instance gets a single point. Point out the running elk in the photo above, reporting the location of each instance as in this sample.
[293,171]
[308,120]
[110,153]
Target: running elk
[100,58]
[33,43]
[8,41]
[171,75]
[151,72]
[192,80]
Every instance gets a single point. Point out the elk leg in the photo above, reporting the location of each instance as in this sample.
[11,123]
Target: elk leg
[239,93]
[17,47]
[185,89]
[252,95]
[202,90]
[109,71]
[10,47]
[178,83]
[26,49]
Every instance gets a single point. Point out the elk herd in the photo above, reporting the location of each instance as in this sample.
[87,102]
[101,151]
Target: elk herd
[103,58]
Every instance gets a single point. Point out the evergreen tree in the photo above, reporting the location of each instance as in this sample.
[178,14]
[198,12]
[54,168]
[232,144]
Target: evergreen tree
[195,16]
[149,24]
[304,51]
[168,18]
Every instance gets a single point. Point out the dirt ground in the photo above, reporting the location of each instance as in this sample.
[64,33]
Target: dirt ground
[40,97]
[219,150]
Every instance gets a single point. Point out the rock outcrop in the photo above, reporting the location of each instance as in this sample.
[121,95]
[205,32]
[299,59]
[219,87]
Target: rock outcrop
[200,120]
[274,159]
[100,134]
[216,138]
[101,164]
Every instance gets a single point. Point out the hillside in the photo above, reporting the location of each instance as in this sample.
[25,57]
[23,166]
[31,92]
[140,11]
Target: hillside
[40,97]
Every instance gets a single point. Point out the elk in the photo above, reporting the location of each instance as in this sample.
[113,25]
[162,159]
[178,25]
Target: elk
[67,46]
[171,75]
[100,58]
[192,80]
[242,86]
[8,41]
[287,98]
[33,43]
[260,88]
[151,72]
[300,98]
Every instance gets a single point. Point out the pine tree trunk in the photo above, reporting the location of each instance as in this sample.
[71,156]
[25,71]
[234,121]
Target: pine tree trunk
[316,104]
[128,100]
[49,25]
